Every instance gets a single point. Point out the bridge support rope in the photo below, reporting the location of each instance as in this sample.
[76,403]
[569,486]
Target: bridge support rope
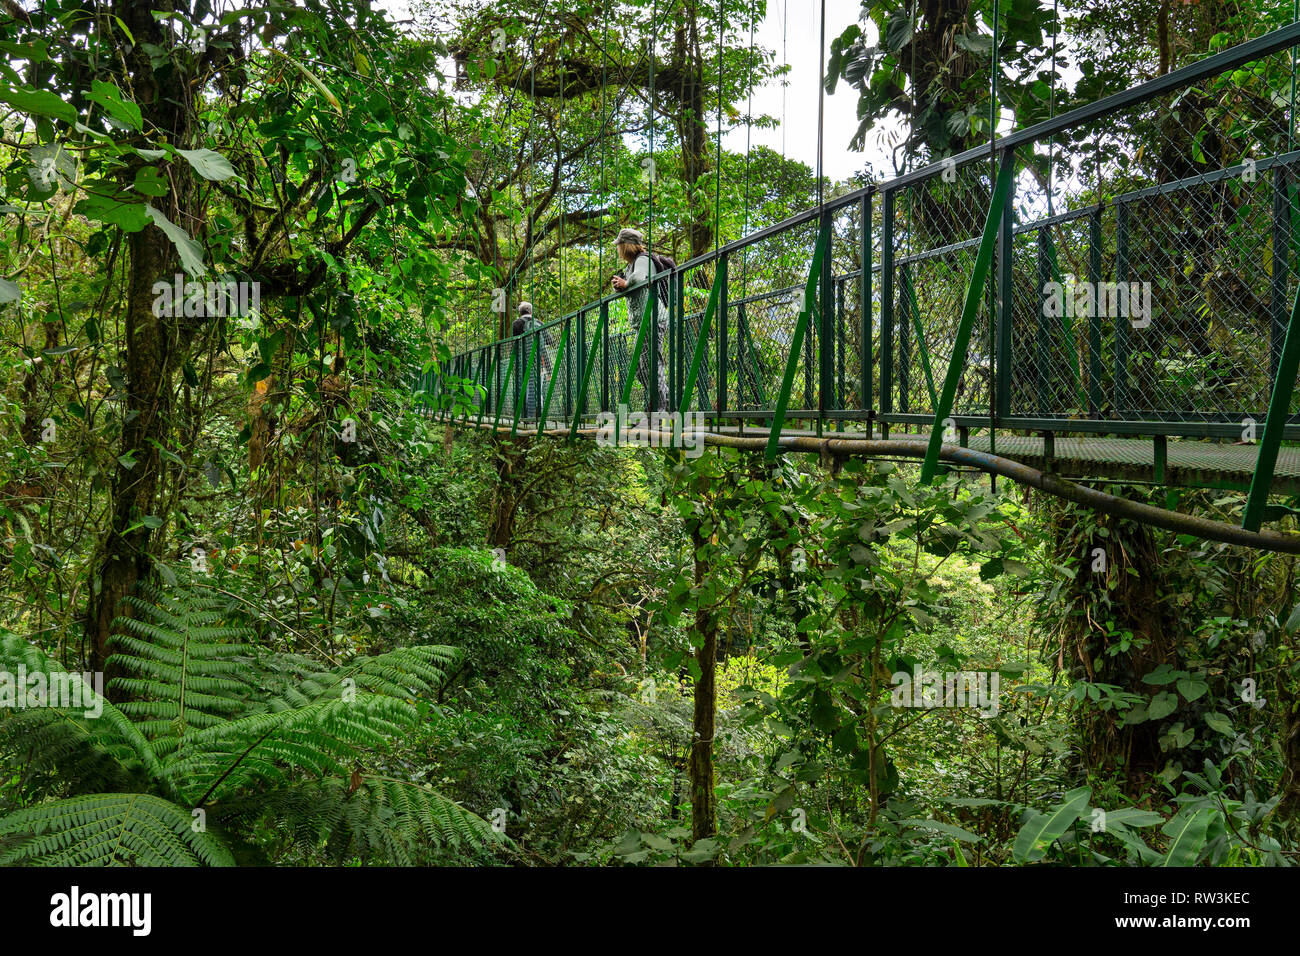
[1091,498]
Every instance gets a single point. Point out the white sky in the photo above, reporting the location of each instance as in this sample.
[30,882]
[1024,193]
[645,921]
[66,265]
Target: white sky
[796,44]
[800,41]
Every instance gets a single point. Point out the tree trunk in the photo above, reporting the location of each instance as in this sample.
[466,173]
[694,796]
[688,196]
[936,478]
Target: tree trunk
[155,344]
[704,805]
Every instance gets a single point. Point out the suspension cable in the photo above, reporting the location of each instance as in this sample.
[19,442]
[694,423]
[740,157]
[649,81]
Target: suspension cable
[650,106]
[821,106]
[749,129]
[604,64]
[1051,105]
[717,188]
[559,162]
[785,58]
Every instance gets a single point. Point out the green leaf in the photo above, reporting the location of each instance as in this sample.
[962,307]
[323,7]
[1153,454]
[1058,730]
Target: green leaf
[129,217]
[123,111]
[1164,674]
[978,43]
[1041,829]
[947,829]
[1162,705]
[1192,688]
[38,103]
[1133,817]
[9,292]
[1187,835]
[149,183]
[313,79]
[190,252]
[1217,721]
[209,164]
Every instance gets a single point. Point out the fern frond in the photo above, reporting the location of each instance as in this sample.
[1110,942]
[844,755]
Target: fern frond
[186,666]
[323,739]
[108,829]
[382,818]
[406,673]
[76,733]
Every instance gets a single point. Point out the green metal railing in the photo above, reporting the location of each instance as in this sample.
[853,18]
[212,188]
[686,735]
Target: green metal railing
[953,293]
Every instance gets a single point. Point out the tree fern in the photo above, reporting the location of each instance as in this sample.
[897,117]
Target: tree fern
[247,736]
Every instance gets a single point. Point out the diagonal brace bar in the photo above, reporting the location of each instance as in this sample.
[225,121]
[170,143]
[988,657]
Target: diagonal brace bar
[974,295]
[599,343]
[1278,407]
[796,343]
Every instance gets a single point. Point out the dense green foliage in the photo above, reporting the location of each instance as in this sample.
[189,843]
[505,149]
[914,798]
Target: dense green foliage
[333,632]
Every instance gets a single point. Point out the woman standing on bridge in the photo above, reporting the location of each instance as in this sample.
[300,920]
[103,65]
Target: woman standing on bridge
[635,279]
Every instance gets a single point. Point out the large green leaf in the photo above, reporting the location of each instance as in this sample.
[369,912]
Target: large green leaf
[128,216]
[1041,829]
[191,252]
[122,111]
[208,163]
[1133,817]
[1187,834]
[38,103]
[957,833]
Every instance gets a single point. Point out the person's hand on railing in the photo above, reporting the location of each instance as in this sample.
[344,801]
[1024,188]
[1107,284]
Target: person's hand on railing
[619,283]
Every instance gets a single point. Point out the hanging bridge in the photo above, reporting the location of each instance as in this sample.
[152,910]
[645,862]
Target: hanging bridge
[1107,296]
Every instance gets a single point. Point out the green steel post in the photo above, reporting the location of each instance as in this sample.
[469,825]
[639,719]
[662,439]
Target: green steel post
[489,381]
[521,396]
[641,332]
[910,290]
[742,341]
[905,340]
[672,341]
[825,337]
[796,343]
[974,293]
[652,380]
[501,395]
[840,344]
[887,303]
[479,379]
[1122,322]
[1094,315]
[681,341]
[1281,266]
[865,402]
[568,363]
[1044,346]
[1002,369]
[602,332]
[720,386]
[580,405]
[1067,325]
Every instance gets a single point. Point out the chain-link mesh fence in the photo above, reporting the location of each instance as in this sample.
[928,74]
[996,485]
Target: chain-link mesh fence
[1142,277]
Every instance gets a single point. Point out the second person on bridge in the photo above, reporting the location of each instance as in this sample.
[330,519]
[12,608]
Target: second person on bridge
[635,279]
